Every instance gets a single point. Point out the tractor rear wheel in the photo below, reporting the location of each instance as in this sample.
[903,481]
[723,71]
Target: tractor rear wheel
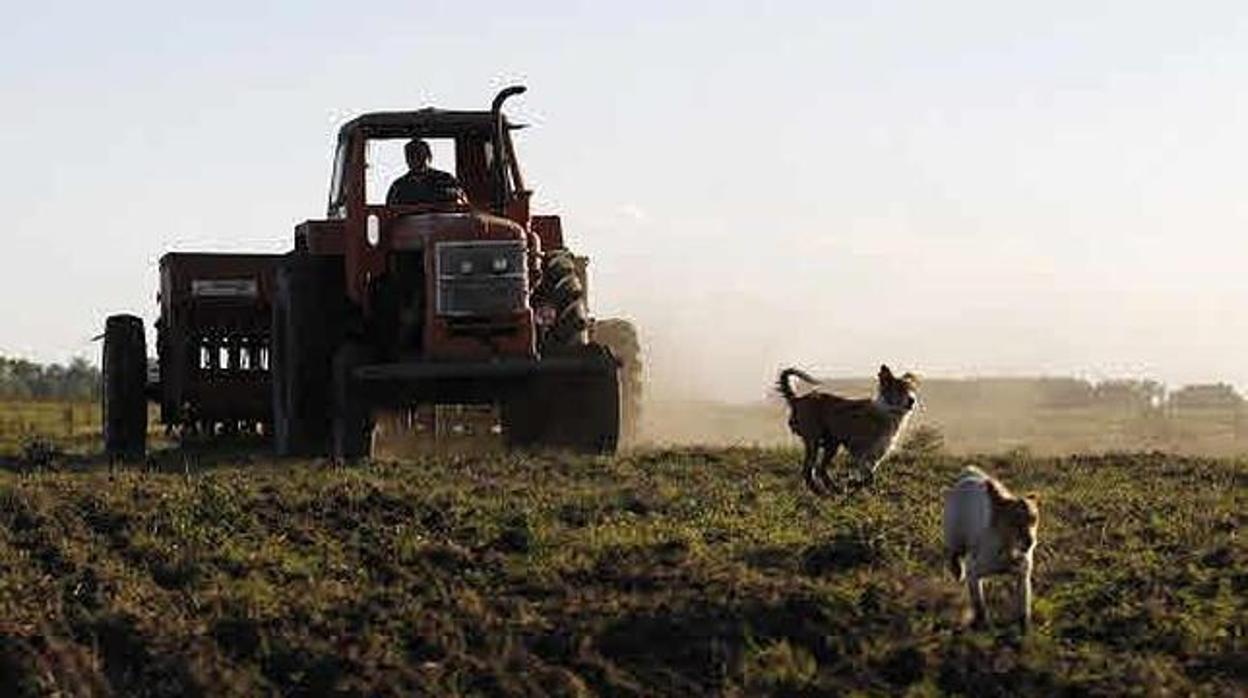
[125,387]
[561,290]
[620,336]
[304,332]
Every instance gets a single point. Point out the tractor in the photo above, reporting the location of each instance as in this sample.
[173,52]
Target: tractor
[384,306]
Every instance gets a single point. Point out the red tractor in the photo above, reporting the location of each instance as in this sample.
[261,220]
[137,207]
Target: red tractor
[385,306]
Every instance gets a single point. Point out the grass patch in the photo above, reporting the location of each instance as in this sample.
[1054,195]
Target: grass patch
[664,572]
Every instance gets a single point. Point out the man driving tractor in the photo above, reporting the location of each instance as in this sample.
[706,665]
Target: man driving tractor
[423,184]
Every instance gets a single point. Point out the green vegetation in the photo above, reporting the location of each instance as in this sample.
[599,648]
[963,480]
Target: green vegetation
[65,427]
[49,404]
[25,380]
[69,425]
[683,572]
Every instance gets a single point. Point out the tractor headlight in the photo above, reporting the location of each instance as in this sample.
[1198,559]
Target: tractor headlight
[486,277]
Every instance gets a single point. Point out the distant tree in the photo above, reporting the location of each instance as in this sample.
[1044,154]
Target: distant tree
[22,379]
[82,379]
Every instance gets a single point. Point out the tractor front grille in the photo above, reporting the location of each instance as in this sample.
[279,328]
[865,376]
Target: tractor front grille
[481,278]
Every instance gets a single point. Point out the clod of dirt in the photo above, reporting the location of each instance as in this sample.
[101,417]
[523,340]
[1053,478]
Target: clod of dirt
[516,537]
[904,666]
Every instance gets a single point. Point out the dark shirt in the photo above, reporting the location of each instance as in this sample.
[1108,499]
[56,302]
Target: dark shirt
[425,187]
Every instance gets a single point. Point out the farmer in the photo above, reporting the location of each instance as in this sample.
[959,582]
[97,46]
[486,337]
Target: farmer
[423,184]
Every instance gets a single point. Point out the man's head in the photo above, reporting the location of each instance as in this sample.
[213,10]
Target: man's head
[418,154]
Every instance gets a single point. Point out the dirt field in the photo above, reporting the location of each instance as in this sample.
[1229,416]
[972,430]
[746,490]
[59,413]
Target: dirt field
[664,572]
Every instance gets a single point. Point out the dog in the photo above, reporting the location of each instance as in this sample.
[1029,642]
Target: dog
[868,429]
[989,531]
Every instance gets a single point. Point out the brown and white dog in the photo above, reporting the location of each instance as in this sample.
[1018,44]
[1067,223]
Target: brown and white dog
[868,429]
[989,531]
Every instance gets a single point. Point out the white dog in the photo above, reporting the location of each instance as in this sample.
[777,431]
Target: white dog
[995,532]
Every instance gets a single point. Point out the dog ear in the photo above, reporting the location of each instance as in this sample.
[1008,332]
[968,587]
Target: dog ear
[910,378]
[885,373]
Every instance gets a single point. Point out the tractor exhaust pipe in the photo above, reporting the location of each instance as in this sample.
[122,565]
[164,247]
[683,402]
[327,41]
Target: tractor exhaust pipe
[500,164]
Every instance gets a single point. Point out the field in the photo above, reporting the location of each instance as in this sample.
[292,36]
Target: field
[990,426]
[70,427]
[70,424]
[659,572]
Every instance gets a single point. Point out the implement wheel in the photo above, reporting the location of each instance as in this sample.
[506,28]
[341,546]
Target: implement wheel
[125,385]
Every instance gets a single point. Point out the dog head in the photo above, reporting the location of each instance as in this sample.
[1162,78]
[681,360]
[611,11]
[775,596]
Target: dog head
[1015,519]
[897,394]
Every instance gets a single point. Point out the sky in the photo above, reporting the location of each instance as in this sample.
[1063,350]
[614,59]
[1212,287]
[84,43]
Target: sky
[957,188]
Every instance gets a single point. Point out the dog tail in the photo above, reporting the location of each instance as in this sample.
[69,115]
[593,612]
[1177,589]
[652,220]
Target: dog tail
[784,386]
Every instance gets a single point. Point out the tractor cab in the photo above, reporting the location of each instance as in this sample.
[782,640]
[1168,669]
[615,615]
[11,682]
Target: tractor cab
[369,156]
[437,279]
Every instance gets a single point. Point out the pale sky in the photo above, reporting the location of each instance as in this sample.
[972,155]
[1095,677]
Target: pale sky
[956,188]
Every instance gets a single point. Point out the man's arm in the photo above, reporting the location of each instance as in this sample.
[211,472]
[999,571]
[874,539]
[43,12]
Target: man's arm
[442,180]
[447,186]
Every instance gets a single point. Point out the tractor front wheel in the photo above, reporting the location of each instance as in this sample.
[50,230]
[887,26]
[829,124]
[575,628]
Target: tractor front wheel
[562,294]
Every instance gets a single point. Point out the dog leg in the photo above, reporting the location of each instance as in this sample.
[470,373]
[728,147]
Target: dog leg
[870,474]
[1024,600]
[829,452]
[975,585]
[866,472]
[808,466]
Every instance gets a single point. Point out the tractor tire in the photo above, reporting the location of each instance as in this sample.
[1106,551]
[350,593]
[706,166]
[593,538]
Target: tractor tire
[620,337]
[304,335]
[577,412]
[561,289]
[352,419]
[125,387]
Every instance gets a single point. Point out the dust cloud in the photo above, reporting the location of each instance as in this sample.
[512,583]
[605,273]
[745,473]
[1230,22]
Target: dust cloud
[684,405]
